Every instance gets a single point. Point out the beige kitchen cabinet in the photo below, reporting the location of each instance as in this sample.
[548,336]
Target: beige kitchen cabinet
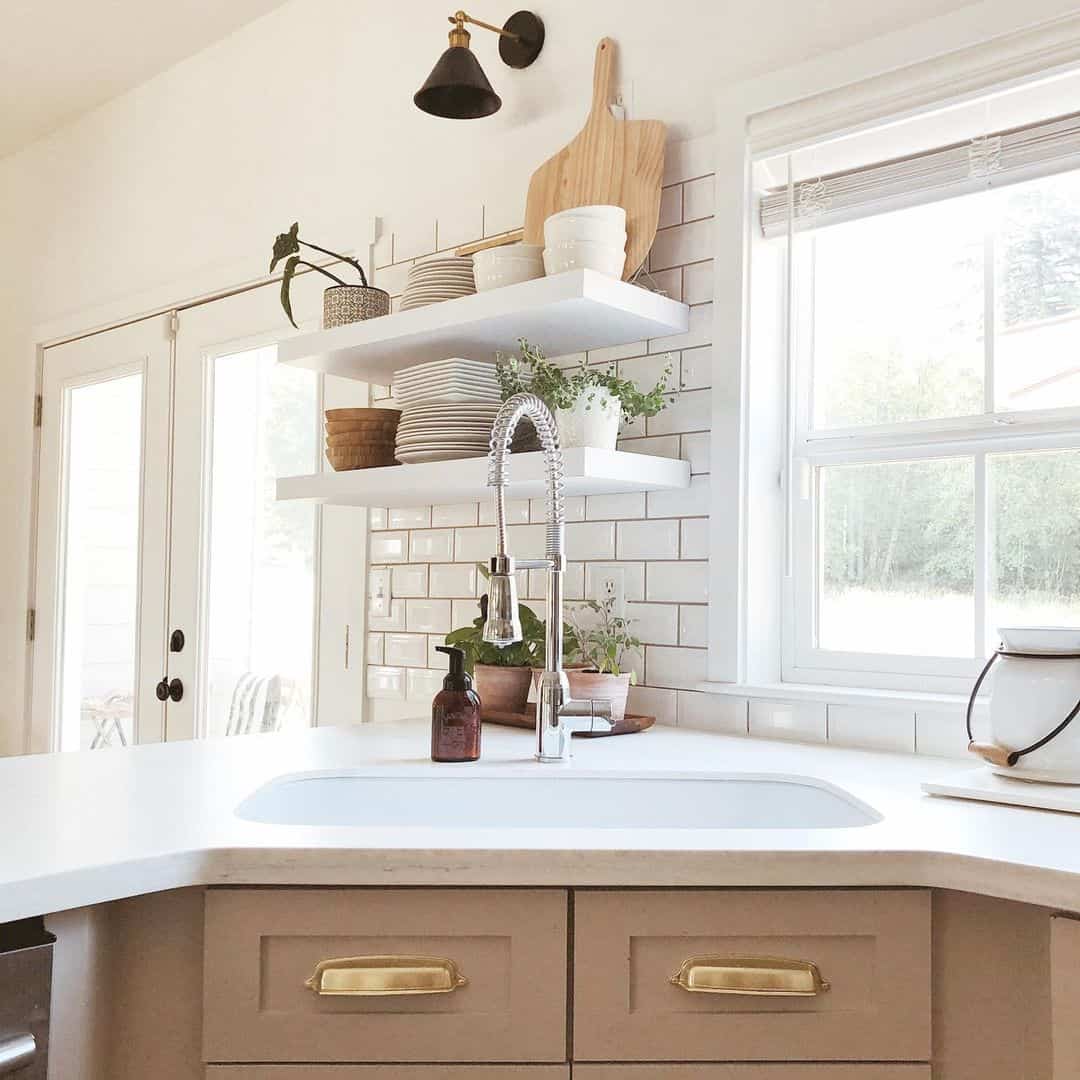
[507,1001]
[869,999]
[408,1072]
[1065,996]
[751,1072]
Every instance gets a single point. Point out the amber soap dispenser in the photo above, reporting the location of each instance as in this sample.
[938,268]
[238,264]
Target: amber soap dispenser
[455,714]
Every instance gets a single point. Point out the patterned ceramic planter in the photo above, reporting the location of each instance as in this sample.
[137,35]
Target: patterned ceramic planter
[350,303]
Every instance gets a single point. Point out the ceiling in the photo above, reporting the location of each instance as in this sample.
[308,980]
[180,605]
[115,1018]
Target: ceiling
[63,57]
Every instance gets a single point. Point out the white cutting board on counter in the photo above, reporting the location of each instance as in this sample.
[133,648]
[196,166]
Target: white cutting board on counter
[987,786]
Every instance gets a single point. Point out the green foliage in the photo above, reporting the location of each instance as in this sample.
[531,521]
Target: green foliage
[601,644]
[287,246]
[561,389]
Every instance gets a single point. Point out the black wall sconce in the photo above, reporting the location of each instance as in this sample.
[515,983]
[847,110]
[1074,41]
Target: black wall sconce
[457,87]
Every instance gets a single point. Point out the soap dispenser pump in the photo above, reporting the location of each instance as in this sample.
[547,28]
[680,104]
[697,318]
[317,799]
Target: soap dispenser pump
[455,713]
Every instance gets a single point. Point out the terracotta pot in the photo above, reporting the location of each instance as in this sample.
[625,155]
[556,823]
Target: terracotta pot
[588,684]
[502,689]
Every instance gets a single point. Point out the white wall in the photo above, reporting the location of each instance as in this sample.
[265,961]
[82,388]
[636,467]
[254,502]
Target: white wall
[176,188]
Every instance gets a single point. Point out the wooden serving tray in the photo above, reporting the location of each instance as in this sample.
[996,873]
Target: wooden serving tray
[628,725]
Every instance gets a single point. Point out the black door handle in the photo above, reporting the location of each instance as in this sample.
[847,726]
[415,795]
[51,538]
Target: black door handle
[169,690]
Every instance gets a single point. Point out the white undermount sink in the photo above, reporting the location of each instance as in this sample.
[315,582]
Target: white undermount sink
[570,800]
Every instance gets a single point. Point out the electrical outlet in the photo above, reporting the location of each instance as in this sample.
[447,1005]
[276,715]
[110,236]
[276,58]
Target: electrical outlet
[612,586]
[379,593]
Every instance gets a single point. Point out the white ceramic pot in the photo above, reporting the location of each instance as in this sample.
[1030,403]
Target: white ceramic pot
[507,265]
[602,258]
[612,214]
[1029,698]
[593,421]
[591,230]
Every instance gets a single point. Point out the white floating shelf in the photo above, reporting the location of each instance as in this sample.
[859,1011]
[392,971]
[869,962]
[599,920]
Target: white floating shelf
[588,472]
[563,314]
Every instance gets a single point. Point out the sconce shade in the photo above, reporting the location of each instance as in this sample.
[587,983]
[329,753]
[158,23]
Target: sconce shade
[457,88]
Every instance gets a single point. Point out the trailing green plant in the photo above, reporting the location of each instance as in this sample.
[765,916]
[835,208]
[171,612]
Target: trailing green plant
[530,651]
[561,388]
[601,645]
[287,246]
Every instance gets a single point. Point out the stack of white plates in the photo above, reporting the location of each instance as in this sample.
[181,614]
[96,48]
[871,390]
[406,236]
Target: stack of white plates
[444,277]
[455,379]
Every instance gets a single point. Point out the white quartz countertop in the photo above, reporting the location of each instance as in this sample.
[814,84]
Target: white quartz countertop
[85,828]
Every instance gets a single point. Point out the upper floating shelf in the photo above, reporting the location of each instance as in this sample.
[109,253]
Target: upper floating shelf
[563,314]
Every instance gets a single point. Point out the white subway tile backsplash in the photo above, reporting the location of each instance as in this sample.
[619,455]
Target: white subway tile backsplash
[385,682]
[374,648]
[671,206]
[517,512]
[389,547]
[574,506]
[682,244]
[526,542]
[689,159]
[452,579]
[699,332]
[463,612]
[394,621]
[406,650]
[632,575]
[377,517]
[694,625]
[423,684]
[699,198]
[410,581]
[458,514]
[648,540]
[802,721]
[647,371]
[695,538]
[698,283]
[615,507]
[682,669]
[617,352]
[437,659]
[590,540]
[669,282]
[474,545]
[653,701]
[692,501]
[409,517]
[423,616]
[677,582]
[872,727]
[664,446]
[654,624]
[573,582]
[432,545]
[690,410]
[695,370]
[696,449]
[713,712]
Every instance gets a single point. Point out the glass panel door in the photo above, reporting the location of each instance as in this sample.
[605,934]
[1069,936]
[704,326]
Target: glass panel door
[246,584]
[100,585]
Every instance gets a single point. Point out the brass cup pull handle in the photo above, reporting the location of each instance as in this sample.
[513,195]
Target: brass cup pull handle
[384,976]
[757,976]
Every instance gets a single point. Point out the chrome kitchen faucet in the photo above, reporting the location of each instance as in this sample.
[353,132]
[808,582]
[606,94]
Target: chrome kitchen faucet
[557,715]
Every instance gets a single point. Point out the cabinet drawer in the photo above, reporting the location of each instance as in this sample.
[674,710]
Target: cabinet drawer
[411,1072]
[263,945]
[751,1072]
[872,947]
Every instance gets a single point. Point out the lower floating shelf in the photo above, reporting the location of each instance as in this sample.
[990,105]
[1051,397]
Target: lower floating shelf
[587,472]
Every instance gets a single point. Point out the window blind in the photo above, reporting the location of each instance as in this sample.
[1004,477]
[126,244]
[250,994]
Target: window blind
[1004,157]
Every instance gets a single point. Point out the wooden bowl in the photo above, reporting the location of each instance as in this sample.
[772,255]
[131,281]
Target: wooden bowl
[361,439]
[385,415]
[375,427]
[347,458]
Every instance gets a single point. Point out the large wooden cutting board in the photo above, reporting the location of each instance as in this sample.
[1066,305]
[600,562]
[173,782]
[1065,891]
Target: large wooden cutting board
[610,162]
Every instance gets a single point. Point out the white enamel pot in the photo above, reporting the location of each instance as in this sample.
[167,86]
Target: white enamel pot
[1035,691]
[593,420]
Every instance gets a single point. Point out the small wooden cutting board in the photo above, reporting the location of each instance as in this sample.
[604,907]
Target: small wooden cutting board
[610,162]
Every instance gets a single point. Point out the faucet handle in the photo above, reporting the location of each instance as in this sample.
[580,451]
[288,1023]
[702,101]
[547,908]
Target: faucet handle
[588,714]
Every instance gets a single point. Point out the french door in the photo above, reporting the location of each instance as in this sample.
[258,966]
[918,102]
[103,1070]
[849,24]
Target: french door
[99,602]
[243,614]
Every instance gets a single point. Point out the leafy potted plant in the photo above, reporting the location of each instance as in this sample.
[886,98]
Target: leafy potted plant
[599,645]
[342,303]
[502,674]
[589,402]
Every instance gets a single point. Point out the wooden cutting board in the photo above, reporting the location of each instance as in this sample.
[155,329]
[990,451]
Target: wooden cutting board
[610,162]
[630,724]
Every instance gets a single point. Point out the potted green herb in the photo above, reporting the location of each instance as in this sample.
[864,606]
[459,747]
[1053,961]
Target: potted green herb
[342,303]
[600,639]
[589,402]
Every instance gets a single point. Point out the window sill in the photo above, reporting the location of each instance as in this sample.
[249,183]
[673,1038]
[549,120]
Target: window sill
[835,695]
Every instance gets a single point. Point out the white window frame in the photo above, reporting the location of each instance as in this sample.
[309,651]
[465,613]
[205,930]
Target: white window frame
[967,54]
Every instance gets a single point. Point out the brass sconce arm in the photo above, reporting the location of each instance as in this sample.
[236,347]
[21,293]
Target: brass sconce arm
[460,18]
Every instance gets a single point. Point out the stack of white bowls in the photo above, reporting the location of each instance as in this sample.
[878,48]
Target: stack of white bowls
[507,265]
[586,237]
